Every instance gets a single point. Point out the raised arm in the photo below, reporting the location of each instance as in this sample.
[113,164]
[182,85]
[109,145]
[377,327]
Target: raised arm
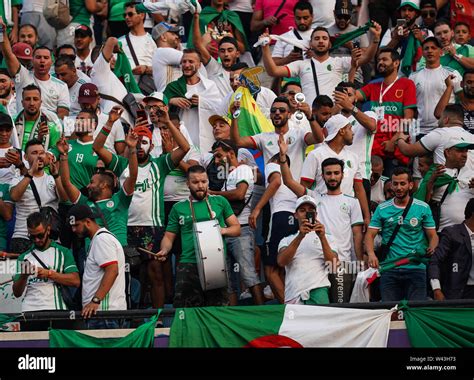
[369,53]
[274,183]
[183,144]
[444,100]
[241,142]
[72,192]
[197,40]
[288,179]
[99,142]
[12,62]
[110,47]
[271,68]
[129,185]
[17,191]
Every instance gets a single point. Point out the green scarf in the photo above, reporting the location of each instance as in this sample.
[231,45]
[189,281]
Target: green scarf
[346,37]
[412,258]
[123,71]
[443,180]
[412,55]
[208,14]
[448,59]
[177,89]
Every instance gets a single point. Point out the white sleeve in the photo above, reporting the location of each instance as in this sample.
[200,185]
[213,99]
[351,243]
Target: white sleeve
[259,140]
[457,82]
[387,37]
[206,159]
[212,68]
[64,100]
[245,174]
[167,56]
[310,167]
[101,68]
[279,49]
[294,68]
[345,63]
[358,173]
[285,242]
[364,41]
[193,154]
[356,213]
[270,169]
[22,79]
[127,51]
[431,141]
[118,132]
[105,251]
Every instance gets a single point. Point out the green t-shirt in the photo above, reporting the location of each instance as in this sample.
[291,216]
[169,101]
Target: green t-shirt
[180,221]
[115,212]
[79,12]
[411,237]
[54,133]
[82,162]
[4,196]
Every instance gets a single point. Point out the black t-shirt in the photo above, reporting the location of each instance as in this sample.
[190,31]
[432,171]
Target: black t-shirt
[469,121]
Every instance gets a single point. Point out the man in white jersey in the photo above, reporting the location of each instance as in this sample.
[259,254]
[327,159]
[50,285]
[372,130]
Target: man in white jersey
[341,215]
[138,46]
[49,264]
[328,69]
[103,282]
[238,189]
[340,135]
[49,188]
[55,94]
[267,142]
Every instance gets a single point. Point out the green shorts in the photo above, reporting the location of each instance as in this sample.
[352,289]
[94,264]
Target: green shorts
[318,296]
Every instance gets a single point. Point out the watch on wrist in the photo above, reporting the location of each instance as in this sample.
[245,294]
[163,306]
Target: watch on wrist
[354,110]
[312,118]
[28,175]
[96,300]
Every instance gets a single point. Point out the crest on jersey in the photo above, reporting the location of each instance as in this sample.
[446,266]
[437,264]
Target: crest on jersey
[399,93]
[110,204]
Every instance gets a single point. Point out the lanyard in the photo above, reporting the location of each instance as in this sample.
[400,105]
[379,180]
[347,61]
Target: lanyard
[382,94]
[211,213]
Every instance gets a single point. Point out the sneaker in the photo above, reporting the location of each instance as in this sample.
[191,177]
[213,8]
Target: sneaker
[267,292]
[245,295]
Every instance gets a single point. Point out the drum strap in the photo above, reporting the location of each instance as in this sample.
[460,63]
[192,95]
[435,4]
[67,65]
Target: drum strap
[208,207]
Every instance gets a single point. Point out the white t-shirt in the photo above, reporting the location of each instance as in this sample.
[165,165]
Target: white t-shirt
[376,192]
[323,12]
[144,47]
[107,83]
[267,142]
[339,213]
[157,142]
[283,49]
[87,62]
[242,173]
[329,74]
[117,134]
[166,64]
[27,204]
[104,250]
[221,77]
[175,188]
[7,174]
[33,6]
[54,92]
[307,270]
[190,116]
[284,199]
[241,6]
[312,170]
[437,138]
[243,156]
[74,96]
[362,144]
[430,87]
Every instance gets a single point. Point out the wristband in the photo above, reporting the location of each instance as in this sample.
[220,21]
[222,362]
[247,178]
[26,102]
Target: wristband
[28,175]
[312,118]
[105,131]
[3,255]
[282,162]
[55,176]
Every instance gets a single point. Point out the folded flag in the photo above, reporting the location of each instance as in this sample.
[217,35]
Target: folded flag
[411,56]
[442,180]
[123,71]
[280,326]
[346,37]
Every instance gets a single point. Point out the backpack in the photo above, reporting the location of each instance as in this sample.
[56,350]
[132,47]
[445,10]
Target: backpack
[56,13]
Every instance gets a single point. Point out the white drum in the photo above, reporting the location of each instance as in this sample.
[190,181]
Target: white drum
[209,248]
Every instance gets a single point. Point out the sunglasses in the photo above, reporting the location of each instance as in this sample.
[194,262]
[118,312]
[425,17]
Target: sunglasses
[292,93]
[281,109]
[153,108]
[37,236]
[344,17]
[129,14]
[428,13]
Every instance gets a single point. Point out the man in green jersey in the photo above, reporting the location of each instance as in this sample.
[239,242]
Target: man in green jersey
[49,264]
[188,290]
[405,281]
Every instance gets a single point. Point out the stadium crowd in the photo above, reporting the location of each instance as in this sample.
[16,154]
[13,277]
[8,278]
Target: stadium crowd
[346,161]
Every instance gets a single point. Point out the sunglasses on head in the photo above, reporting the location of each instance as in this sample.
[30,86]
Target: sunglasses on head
[37,236]
[281,109]
[129,14]
[220,143]
[428,13]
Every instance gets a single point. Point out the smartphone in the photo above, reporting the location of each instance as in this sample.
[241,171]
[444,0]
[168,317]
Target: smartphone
[297,50]
[141,113]
[356,45]
[401,24]
[341,89]
[310,216]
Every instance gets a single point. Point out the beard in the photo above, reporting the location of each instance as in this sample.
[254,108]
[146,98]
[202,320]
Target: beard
[6,94]
[94,194]
[320,53]
[199,196]
[302,27]
[388,70]
[402,194]
[468,94]
[333,185]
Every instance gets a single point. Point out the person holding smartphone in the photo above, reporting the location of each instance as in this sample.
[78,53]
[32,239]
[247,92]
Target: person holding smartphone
[305,257]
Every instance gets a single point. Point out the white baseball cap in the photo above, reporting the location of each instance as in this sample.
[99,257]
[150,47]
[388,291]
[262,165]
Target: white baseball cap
[305,199]
[156,96]
[459,142]
[334,125]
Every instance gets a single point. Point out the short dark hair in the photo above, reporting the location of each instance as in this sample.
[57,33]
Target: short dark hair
[107,176]
[64,60]
[5,72]
[347,85]
[42,47]
[441,22]
[332,161]
[433,40]
[394,54]
[35,219]
[229,40]
[400,170]
[195,169]
[320,29]
[459,23]
[92,114]
[303,6]
[466,73]
[322,101]
[239,66]
[192,51]
[64,46]
[31,87]
[276,158]
[226,145]
[469,210]
[454,111]
[32,142]
[28,26]
[281,99]
[289,83]
[132,4]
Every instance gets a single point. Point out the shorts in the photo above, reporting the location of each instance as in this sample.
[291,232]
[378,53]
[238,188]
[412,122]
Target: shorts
[189,293]
[318,296]
[283,224]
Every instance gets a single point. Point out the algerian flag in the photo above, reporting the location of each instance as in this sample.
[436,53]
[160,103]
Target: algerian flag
[280,326]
